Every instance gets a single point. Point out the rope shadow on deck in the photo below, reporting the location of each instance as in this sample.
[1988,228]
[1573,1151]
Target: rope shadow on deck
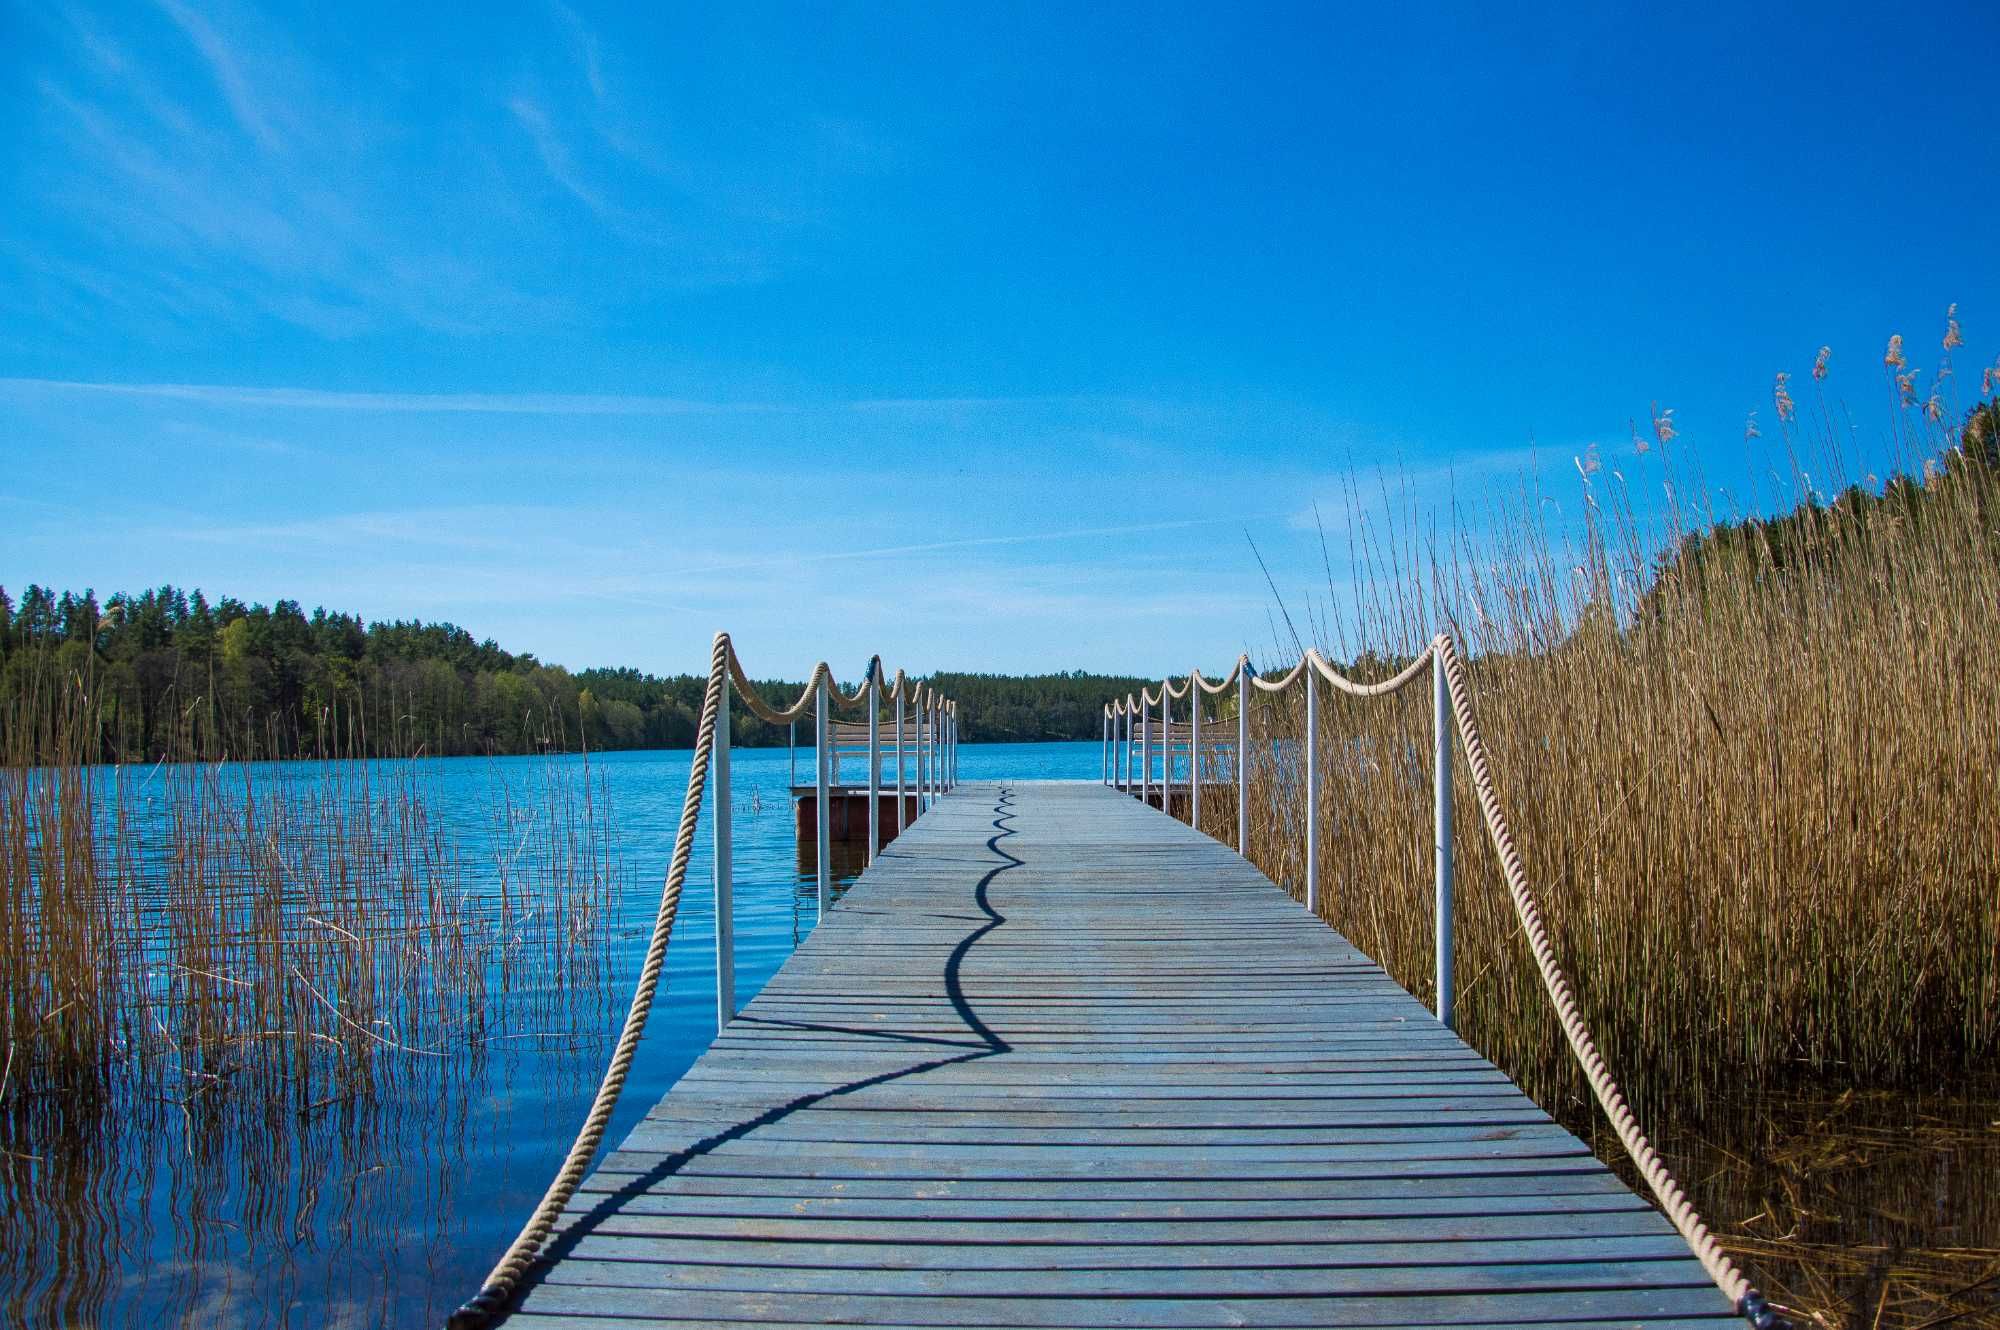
[992,1045]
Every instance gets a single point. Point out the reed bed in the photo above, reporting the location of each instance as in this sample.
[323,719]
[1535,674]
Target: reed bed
[1751,766]
[1752,773]
[283,929]
[254,1003]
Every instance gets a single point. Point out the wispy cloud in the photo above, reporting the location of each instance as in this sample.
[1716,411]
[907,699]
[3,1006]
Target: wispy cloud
[205,168]
[559,161]
[529,404]
[202,165]
[226,65]
[1424,485]
[314,399]
[968,542]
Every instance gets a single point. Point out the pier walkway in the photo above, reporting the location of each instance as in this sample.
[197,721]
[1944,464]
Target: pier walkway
[1059,1060]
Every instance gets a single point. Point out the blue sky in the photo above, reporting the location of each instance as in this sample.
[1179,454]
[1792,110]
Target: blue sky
[977,336]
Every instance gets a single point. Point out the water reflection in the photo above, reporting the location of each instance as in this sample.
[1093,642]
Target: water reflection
[354,1182]
[1861,1208]
[357,1045]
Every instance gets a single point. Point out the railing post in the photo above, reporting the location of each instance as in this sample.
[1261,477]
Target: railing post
[1194,750]
[823,805]
[1243,758]
[1104,771]
[725,878]
[926,739]
[1145,749]
[902,817]
[792,753]
[1166,751]
[1124,755]
[874,759]
[1441,726]
[1312,788]
[1120,748]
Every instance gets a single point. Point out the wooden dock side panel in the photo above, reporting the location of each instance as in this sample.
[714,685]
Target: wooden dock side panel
[1059,1061]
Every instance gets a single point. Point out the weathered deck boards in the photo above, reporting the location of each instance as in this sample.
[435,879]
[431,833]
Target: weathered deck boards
[1059,1061]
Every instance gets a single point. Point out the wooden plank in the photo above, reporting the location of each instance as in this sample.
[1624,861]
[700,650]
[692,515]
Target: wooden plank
[1637,1305]
[1057,1060]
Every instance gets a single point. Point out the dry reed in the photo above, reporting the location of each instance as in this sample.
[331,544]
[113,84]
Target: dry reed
[1751,767]
[1754,784]
[284,929]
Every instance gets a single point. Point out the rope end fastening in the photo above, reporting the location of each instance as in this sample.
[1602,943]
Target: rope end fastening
[477,1311]
[1757,1310]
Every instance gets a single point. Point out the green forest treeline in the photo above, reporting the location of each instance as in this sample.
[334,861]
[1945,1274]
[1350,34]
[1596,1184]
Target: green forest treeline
[169,673]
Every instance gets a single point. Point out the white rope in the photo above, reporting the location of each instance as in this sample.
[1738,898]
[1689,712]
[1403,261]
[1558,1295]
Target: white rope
[1666,1190]
[1672,1199]
[501,1283]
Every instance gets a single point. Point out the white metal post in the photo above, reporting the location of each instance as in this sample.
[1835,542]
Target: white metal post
[725,921]
[792,753]
[1118,746]
[874,759]
[823,805]
[1117,741]
[1194,750]
[901,816]
[1243,758]
[1441,733]
[1145,748]
[1166,751]
[1123,757]
[1312,788]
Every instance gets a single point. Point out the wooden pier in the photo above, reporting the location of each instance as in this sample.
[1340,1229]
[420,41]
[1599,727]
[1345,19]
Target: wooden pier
[1058,1060]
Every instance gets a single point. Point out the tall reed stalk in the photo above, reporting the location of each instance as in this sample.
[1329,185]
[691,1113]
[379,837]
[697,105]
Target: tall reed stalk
[208,924]
[1751,766]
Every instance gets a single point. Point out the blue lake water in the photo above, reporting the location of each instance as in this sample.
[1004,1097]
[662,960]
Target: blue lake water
[385,1201]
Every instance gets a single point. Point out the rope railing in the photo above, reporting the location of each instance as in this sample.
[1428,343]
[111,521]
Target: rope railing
[1452,711]
[936,736]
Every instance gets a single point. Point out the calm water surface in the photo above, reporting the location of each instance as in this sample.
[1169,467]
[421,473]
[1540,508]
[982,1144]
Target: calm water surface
[384,1201]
